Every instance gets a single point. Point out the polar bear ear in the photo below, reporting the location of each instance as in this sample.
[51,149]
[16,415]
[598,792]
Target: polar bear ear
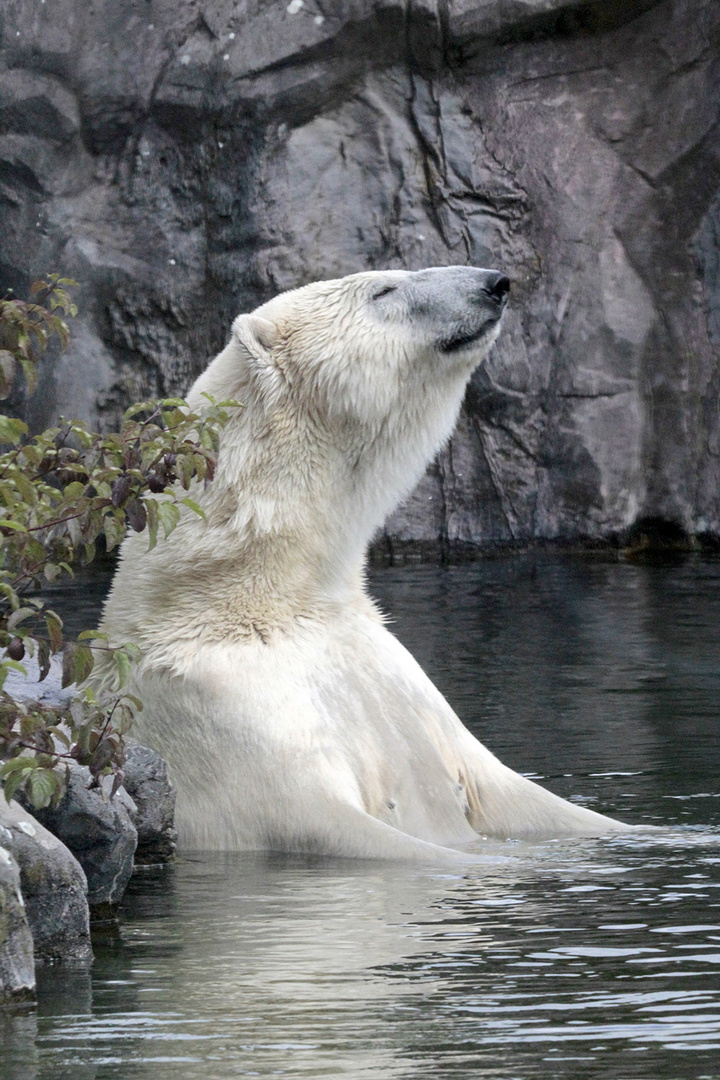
[257,335]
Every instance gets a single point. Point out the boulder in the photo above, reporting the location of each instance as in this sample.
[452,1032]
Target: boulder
[53,884]
[147,783]
[17,970]
[100,833]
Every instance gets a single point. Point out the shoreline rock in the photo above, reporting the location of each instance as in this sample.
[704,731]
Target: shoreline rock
[147,784]
[66,867]
[53,884]
[100,833]
[17,970]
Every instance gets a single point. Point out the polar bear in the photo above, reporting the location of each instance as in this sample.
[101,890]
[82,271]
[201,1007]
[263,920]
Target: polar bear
[291,718]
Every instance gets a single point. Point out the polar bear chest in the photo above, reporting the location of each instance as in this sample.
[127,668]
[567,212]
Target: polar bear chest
[341,710]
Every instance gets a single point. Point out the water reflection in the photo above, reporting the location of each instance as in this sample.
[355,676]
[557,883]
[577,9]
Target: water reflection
[556,954]
[561,960]
[579,666]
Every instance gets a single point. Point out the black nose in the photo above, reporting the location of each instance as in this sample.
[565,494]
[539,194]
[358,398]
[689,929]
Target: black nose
[497,286]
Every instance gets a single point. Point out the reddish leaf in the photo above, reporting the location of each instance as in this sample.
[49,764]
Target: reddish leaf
[120,489]
[136,515]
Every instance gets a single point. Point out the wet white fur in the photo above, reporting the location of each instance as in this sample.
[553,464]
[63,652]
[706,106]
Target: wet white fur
[291,717]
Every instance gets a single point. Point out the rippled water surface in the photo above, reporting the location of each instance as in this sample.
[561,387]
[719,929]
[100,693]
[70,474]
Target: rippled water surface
[573,959]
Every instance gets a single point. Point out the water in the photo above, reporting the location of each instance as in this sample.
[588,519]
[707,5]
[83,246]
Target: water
[576,959]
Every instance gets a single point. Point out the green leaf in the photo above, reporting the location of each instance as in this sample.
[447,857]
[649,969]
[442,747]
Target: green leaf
[11,430]
[142,406]
[7,524]
[7,373]
[153,520]
[115,527]
[41,787]
[21,762]
[169,516]
[23,343]
[173,418]
[122,666]
[194,507]
[186,469]
[78,662]
[15,780]
[29,371]
[102,755]
[25,486]
[92,523]
[19,616]
[60,735]
[8,591]
[15,665]
[54,628]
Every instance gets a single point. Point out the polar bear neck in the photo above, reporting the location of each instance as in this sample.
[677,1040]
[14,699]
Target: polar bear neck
[288,518]
[295,504]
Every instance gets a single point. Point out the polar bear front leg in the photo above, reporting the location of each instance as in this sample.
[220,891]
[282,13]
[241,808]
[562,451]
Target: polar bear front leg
[344,830]
[503,804]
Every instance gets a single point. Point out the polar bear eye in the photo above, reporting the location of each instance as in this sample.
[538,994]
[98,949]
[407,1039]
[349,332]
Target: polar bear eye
[384,291]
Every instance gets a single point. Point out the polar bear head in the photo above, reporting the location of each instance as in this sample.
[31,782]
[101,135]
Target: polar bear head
[350,387]
[357,346]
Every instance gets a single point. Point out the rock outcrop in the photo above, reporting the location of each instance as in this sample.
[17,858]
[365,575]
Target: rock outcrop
[99,832]
[185,161]
[53,884]
[146,782]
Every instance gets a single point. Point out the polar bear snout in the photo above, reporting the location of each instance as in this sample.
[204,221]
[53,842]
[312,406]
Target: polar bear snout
[478,306]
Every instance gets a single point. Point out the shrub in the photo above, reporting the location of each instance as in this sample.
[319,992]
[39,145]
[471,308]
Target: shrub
[61,491]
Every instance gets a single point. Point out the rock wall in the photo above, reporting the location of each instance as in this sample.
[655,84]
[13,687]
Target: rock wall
[186,160]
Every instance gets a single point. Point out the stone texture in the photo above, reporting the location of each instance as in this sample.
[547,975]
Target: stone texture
[17,970]
[49,692]
[53,885]
[146,782]
[185,161]
[99,832]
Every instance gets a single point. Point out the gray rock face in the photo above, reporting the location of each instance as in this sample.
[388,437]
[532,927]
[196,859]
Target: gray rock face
[147,784]
[53,885]
[186,161]
[17,970]
[100,834]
